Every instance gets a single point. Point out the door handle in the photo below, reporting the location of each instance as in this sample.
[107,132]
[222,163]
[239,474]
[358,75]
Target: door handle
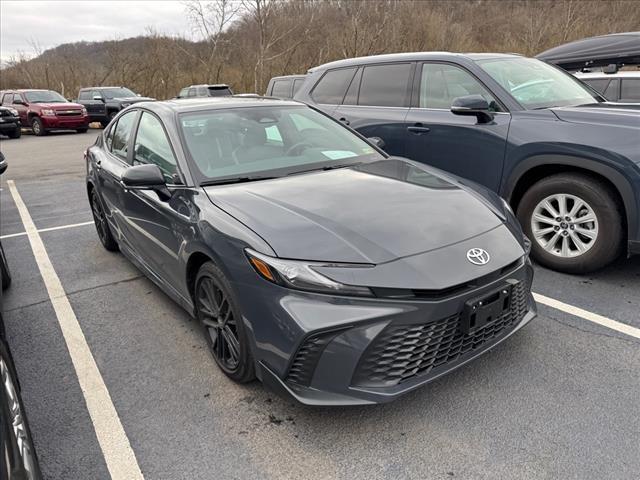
[418,129]
[345,121]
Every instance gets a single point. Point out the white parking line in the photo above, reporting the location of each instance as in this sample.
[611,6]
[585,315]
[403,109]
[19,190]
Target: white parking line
[50,229]
[586,315]
[118,455]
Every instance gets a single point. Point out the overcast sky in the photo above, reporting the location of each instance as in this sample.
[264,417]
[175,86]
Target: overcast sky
[52,23]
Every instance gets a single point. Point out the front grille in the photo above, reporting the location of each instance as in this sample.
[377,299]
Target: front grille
[304,363]
[68,113]
[5,113]
[402,352]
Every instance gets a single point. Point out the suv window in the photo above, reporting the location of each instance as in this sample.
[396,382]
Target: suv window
[297,83]
[7,98]
[121,134]
[332,86]
[611,93]
[152,146]
[630,91]
[441,83]
[18,97]
[385,85]
[191,92]
[281,88]
[598,84]
[183,92]
[85,95]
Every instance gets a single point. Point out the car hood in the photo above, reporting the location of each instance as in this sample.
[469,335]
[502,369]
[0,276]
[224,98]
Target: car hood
[60,106]
[372,213]
[624,115]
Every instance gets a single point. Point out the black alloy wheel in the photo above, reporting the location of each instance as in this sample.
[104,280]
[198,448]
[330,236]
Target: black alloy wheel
[112,115]
[218,313]
[102,226]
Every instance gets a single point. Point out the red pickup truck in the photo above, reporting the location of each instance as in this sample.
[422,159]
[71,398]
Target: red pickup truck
[46,110]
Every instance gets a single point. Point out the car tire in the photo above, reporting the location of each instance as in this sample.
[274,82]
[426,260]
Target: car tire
[218,312]
[17,133]
[588,245]
[102,224]
[82,130]
[112,115]
[4,269]
[38,127]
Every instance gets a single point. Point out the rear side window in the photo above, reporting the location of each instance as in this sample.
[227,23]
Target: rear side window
[385,85]
[121,135]
[611,93]
[630,91]
[152,146]
[332,86]
[441,84]
[281,88]
[598,84]
[297,83]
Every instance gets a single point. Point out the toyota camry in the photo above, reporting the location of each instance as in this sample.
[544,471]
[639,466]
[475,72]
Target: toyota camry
[312,260]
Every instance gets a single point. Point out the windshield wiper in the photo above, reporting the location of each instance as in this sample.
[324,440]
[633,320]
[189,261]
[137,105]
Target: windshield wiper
[326,167]
[229,180]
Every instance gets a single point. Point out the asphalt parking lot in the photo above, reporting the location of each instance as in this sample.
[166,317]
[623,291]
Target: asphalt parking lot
[559,400]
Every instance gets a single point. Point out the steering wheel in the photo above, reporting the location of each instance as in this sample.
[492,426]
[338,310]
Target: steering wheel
[296,146]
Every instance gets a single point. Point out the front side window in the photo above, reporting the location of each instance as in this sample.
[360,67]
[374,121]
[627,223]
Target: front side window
[183,93]
[152,146]
[110,93]
[535,84]
[17,99]
[122,133]
[385,85]
[44,96]
[630,91]
[191,92]
[611,93]
[281,88]
[86,95]
[598,84]
[270,140]
[7,98]
[441,84]
[332,86]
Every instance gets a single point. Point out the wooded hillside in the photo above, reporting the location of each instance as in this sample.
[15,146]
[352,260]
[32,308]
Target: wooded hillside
[246,42]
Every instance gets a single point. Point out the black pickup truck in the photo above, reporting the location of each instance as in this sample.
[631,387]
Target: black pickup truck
[103,103]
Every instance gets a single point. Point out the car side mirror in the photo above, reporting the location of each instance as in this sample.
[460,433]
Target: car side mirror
[98,98]
[377,141]
[146,177]
[18,101]
[472,105]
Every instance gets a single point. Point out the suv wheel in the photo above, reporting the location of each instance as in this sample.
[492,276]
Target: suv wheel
[38,127]
[574,222]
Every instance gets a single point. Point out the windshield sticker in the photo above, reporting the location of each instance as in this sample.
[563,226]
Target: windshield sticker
[338,154]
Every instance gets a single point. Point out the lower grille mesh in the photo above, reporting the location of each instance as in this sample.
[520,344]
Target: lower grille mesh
[401,352]
[304,363]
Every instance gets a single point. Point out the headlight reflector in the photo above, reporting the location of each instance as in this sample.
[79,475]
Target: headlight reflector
[47,112]
[301,275]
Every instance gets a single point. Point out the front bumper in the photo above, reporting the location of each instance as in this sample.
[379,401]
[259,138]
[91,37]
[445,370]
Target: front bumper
[9,123]
[55,122]
[335,351]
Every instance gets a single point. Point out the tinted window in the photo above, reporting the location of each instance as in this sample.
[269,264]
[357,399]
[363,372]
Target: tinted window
[7,98]
[611,93]
[598,84]
[17,97]
[152,146]
[86,95]
[297,83]
[281,88]
[269,140]
[385,85]
[332,86]
[630,91]
[121,134]
[351,98]
[440,84]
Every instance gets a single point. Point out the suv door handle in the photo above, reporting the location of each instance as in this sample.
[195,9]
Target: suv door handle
[418,129]
[345,121]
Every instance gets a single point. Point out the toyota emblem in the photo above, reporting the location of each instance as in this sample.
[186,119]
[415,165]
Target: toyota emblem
[478,256]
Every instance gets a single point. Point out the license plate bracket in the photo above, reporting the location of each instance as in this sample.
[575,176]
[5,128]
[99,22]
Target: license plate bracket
[486,309]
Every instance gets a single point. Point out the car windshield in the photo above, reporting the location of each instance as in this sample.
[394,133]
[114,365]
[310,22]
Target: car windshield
[535,84]
[44,96]
[269,141]
[117,93]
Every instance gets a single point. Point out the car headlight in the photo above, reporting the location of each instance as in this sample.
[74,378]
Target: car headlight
[84,111]
[13,111]
[47,112]
[301,275]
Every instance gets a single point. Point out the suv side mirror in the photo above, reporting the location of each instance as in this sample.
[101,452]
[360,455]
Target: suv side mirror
[377,141]
[146,177]
[472,105]
[18,101]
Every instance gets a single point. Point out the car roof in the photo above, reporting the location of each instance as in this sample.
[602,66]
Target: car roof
[626,74]
[286,77]
[213,103]
[412,56]
[101,88]
[209,85]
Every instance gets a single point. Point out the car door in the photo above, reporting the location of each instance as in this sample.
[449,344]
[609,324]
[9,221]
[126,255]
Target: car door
[115,159]
[158,226]
[630,90]
[455,143]
[377,102]
[22,108]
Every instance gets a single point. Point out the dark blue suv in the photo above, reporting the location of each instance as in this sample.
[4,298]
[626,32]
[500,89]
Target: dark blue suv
[565,159]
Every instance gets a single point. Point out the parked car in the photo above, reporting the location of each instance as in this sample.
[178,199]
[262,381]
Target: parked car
[18,458]
[103,103]
[312,260]
[567,161]
[284,87]
[217,90]
[45,110]
[10,122]
[621,86]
